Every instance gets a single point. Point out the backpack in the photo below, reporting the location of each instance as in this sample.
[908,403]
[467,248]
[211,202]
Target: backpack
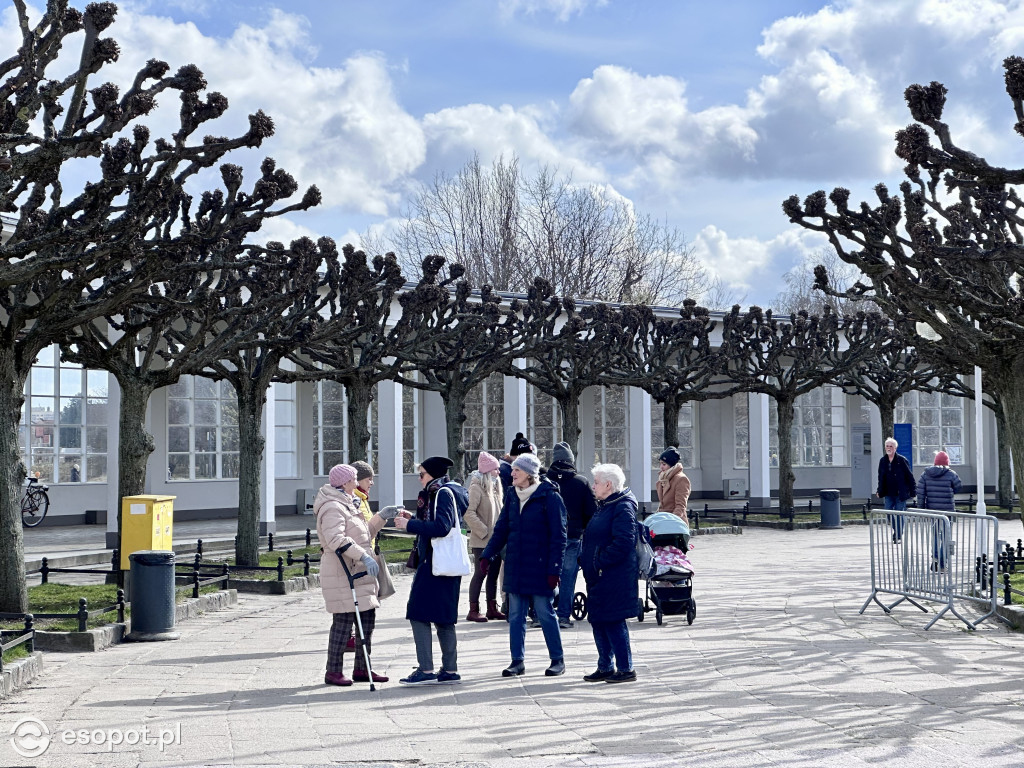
[647,566]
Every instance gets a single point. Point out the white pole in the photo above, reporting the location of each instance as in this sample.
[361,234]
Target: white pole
[979,441]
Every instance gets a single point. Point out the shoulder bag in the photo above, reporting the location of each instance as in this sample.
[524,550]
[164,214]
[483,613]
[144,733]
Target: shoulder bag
[451,552]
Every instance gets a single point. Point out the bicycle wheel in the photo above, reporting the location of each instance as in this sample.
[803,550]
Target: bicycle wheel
[33,508]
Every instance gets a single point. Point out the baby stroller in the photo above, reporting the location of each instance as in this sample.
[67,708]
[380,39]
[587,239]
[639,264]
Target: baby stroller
[670,589]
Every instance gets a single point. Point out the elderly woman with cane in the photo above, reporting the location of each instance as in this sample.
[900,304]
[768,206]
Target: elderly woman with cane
[340,525]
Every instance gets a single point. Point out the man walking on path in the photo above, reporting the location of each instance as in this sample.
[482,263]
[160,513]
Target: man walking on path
[579,508]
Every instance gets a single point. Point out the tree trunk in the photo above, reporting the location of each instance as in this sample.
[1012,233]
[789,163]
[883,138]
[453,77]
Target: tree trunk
[135,443]
[887,408]
[786,476]
[569,408]
[454,417]
[358,396]
[13,594]
[1004,490]
[251,398]
[671,421]
[1008,383]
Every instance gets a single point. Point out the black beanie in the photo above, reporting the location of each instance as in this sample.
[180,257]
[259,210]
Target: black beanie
[670,456]
[437,466]
[520,445]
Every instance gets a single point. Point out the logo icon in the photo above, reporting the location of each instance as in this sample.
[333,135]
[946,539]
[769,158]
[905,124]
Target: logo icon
[30,737]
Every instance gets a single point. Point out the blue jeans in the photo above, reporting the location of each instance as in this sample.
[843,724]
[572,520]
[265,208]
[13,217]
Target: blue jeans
[612,637]
[896,521]
[545,613]
[567,583]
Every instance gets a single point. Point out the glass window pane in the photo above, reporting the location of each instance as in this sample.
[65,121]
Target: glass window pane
[334,439]
[229,439]
[177,466]
[46,356]
[42,437]
[206,440]
[97,384]
[229,411]
[229,465]
[42,381]
[206,466]
[70,383]
[71,410]
[96,411]
[71,438]
[178,412]
[177,439]
[332,390]
[205,388]
[206,412]
[69,469]
[96,439]
[333,414]
[96,469]
[181,388]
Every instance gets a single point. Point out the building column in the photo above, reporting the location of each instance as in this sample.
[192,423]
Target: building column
[113,452]
[639,405]
[388,482]
[515,405]
[435,432]
[268,466]
[760,474]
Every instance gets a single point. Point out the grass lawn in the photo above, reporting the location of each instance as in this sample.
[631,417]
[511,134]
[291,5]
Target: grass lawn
[17,652]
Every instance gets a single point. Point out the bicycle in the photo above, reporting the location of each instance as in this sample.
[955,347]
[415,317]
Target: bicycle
[34,503]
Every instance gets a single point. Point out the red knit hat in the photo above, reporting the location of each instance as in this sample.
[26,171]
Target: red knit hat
[941,459]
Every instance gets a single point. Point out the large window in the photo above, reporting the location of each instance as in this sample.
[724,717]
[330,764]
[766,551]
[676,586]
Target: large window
[484,427]
[687,434]
[330,428]
[64,421]
[818,435]
[202,430]
[543,422]
[611,427]
[938,425]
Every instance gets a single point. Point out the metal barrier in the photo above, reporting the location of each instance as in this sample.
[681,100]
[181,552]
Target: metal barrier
[937,557]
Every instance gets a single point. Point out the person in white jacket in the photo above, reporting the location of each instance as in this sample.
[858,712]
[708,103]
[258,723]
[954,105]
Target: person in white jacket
[481,514]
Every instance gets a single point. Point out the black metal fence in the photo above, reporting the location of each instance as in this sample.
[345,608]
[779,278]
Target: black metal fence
[740,515]
[18,637]
[83,614]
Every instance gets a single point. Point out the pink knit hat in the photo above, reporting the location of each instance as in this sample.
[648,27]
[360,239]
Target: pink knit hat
[485,462]
[941,459]
[341,474]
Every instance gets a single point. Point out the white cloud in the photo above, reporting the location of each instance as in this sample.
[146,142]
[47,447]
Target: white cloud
[562,10]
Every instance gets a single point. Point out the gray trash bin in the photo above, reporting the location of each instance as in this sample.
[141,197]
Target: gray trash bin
[830,509]
[152,596]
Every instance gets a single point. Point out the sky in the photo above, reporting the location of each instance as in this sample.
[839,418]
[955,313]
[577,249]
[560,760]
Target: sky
[705,115]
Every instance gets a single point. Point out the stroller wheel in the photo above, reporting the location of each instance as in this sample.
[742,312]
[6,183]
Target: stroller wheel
[639,609]
[691,612]
[579,606]
[659,616]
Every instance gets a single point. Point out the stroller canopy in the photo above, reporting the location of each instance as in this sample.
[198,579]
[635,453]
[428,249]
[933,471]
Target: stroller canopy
[665,522]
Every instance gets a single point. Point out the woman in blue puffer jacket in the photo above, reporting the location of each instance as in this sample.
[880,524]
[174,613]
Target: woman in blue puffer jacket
[610,568]
[936,491]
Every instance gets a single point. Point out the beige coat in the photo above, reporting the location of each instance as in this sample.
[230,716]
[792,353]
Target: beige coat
[674,491]
[483,510]
[339,521]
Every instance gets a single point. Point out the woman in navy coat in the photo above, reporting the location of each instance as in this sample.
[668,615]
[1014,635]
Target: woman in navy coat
[531,527]
[434,599]
[610,568]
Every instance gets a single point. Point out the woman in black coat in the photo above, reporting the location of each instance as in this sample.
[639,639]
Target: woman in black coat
[531,527]
[610,569]
[434,599]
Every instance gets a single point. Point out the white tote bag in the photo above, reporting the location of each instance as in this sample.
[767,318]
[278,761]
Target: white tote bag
[451,553]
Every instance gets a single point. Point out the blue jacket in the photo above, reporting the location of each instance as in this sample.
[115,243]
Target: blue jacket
[576,495]
[895,478]
[436,598]
[609,559]
[936,487]
[534,540]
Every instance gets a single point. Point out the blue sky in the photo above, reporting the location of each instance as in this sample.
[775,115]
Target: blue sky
[704,114]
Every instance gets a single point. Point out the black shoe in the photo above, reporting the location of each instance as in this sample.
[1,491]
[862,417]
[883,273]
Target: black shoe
[514,669]
[599,675]
[626,676]
[557,668]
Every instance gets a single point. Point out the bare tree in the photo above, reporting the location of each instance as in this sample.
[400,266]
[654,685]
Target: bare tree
[506,228]
[801,292]
[74,257]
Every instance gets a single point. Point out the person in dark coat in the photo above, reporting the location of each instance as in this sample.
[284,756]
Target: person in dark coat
[434,599]
[610,568]
[936,491]
[531,527]
[579,508]
[895,485]
[520,445]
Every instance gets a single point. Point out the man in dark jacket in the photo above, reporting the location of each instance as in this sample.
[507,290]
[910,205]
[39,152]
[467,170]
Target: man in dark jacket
[895,485]
[579,508]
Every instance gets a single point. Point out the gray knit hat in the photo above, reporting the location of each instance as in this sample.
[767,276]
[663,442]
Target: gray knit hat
[528,463]
[363,470]
[562,452]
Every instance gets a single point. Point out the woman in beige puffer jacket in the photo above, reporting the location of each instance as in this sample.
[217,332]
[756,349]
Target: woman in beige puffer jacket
[340,522]
[481,515]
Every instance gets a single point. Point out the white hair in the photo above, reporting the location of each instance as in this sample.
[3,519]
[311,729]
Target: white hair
[612,473]
[891,440]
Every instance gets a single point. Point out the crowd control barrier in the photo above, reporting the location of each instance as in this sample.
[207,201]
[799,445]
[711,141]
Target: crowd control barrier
[937,557]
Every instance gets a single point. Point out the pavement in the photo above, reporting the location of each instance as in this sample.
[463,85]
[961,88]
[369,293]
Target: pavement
[778,669]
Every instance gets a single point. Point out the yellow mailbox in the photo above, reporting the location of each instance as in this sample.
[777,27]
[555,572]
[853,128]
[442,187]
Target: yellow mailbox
[147,523]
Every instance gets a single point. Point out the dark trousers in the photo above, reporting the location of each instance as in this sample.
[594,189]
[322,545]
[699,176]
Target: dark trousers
[424,646]
[341,631]
[478,577]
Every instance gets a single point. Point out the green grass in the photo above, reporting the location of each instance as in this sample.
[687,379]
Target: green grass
[63,598]
[1016,582]
[18,652]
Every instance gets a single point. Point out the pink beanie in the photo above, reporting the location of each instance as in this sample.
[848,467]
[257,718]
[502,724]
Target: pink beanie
[486,463]
[941,459]
[341,474]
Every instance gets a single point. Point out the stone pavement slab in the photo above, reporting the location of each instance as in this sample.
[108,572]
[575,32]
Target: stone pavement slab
[778,669]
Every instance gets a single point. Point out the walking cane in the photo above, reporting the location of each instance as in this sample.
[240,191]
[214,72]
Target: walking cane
[359,622]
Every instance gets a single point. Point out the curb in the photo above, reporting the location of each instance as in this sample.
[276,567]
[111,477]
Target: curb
[286,587]
[1012,613]
[18,674]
